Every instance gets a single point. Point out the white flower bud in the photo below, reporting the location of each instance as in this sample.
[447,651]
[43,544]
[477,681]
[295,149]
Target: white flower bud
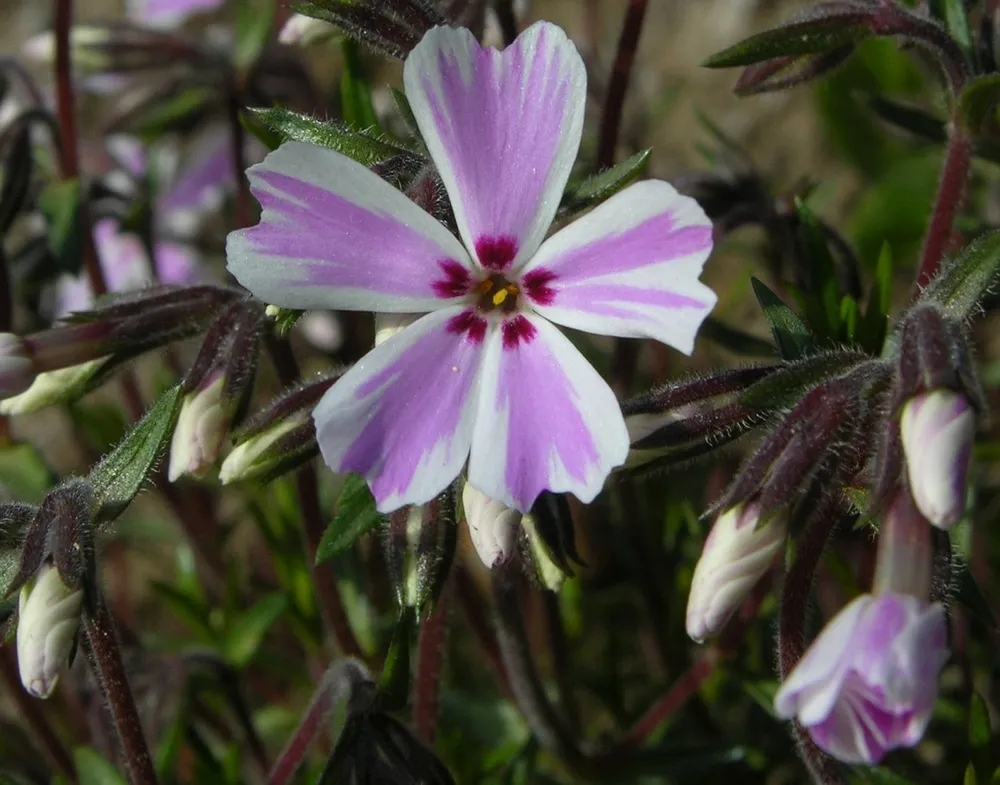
[50,387]
[737,553]
[938,429]
[388,324]
[201,427]
[85,48]
[48,618]
[302,30]
[16,369]
[244,456]
[492,525]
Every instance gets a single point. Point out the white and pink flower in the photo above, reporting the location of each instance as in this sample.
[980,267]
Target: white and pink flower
[485,378]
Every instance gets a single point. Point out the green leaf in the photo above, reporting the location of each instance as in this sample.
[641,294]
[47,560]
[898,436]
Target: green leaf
[23,470]
[980,732]
[966,279]
[172,111]
[121,473]
[59,203]
[791,335]
[812,36]
[405,112]
[394,685]
[875,321]
[598,187]
[365,147]
[956,19]
[188,609]
[763,693]
[822,301]
[977,101]
[356,516]
[785,387]
[93,769]
[253,26]
[244,637]
[355,90]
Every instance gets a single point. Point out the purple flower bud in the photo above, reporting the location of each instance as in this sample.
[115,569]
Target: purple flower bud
[937,431]
[48,618]
[868,683]
[201,426]
[737,553]
[493,526]
[17,371]
[905,552]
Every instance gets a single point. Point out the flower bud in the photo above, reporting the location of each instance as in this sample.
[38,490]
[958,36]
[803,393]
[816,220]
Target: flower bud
[302,30]
[937,430]
[905,553]
[48,618]
[250,457]
[493,526]
[737,553]
[16,368]
[388,324]
[201,427]
[52,387]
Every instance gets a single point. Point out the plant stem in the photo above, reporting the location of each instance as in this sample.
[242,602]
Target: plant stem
[626,351]
[338,683]
[546,724]
[30,709]
[947,203]
[101,647]
[307,490]
[561,671]
[427,683]
[792,621]
[472,605]
[241,206]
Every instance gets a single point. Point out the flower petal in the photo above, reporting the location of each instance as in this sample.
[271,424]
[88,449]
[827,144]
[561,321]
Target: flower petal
[546,419]
[333,235]
[403,415]
[628,268]
[503,128]
[811,689]
[168,13]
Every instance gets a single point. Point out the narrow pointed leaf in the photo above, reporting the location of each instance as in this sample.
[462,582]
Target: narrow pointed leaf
[977,102]
[604,184]
[792,337]
[785,387]
[120,475]
[356,516]
[244,637]
[365,147]
[968,278]
[811,36]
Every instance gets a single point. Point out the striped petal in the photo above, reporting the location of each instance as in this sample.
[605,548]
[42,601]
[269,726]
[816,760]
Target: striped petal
[333,235]
[546,419]
[503,129]
[403,415]
[629,268]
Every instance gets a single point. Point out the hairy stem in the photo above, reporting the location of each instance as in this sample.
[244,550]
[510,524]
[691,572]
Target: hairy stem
[534,704]
[241,207]
[472,606]
[947,203]
[427,684]
[30,710]
[307,490]
[338,683]
[101,647]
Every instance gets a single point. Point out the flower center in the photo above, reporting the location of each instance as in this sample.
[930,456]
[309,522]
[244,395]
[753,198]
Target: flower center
[496,293]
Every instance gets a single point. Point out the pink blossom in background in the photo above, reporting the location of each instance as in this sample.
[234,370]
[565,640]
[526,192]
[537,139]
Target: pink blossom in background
[868,683]
[168,13]
[485,377]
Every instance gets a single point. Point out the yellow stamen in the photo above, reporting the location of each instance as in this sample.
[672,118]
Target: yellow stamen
[500,296]
[484,287]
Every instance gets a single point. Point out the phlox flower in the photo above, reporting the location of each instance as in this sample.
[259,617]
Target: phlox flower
[484,377]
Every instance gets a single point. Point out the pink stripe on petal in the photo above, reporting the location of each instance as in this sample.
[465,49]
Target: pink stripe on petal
[628,268]
[334,235]
[503,129]
[403,415]
[168,13]
[546,419]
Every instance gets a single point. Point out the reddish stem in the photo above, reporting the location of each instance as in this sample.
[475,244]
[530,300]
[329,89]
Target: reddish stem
[307,489]
[241,207]
[679,693]
[472,605]
[626,352]
[950,196]
[427,684]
